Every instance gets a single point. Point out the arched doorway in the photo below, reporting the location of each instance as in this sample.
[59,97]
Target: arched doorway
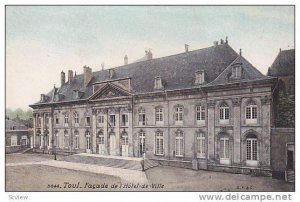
[124,144]
[251,150]
[101,145]
[112,144]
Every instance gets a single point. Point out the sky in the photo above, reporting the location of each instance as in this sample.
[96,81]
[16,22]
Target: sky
[41,41]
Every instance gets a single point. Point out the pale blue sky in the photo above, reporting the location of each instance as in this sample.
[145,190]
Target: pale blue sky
[41,41]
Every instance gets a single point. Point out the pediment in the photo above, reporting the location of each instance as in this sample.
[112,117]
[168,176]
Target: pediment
[109,91]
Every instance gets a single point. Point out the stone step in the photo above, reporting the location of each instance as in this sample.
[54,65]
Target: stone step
[290,175]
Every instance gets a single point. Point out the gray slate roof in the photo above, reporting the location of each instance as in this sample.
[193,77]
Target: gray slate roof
[13,125]
[284,64]
[176,71]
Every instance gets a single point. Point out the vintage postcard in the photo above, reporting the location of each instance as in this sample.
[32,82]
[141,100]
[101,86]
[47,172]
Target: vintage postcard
[150,98]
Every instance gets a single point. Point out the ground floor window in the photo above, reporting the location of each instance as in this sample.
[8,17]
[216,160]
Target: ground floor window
[66,139]
[159,143]
[14,140]
[88,141]
[179,144]
[24,140]
[76,140]
[200,145]
[56,140]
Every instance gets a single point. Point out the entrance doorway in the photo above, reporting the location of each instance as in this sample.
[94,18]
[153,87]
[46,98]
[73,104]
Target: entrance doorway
[101,144]
[88,143]
[290,161]
[112,144]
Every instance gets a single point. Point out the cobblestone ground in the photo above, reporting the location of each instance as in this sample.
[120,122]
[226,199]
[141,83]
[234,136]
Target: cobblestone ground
[39,177]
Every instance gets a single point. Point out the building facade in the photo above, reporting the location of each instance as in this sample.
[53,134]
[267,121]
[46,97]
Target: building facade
[283,127]
[17,136]
[207,109]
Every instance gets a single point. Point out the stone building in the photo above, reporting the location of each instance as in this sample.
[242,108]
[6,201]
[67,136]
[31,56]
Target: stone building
[208,106]
[283,128]
[17,136]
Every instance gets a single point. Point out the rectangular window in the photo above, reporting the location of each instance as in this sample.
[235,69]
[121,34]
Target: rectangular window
[251,114]
[66,141]
[13,140]
[112,120]
[76,118]
[224,114]
[142,118]
[101,139]
[66,120]
[124,121]
[200,113]
[57,140]
[158,115]
[88,121]
[56,121]
[159,143]
[101,119]
[200,145]
[179,114]
[179,145]
[47,119]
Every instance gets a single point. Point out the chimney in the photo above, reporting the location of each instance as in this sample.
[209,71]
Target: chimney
[70,76]
[125,60]
[111,73]
[240,52]
[279,50]
[221,41]
[216,43]
[87,72]
[102,66]
[62,78]
[149,54]
[226,40]
[186,46]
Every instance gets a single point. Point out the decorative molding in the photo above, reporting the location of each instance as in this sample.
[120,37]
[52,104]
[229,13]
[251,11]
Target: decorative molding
[236,102]
[266,99]
[211,104]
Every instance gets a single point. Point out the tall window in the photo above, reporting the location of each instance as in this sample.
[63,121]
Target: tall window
[159,115]
[251,144]
[142,142]
[124,120]
[224,150]
[224,113]
[76,118]
[251,113]
[112,120]
[56,120]
[200,113]
[66,139]
[47,119]
[56,139]
[158,83]
[66,119]
[179,144]
[38,121]
[200,141]
[179,114]
[88,140]
[142,117]
[159,143]
[101,137]
[76,140]
[236,71]
[88,121]
[200,79]
[13,140]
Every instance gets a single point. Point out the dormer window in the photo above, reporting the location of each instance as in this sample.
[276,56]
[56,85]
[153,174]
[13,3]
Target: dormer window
[236,71]
[158,83]
[200,79]
[43,97]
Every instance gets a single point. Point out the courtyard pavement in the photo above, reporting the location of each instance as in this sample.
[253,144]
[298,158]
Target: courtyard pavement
[35,172]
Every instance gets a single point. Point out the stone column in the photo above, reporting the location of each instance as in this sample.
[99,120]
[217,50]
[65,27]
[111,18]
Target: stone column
[117,131]
[50,135]
[42,131]
[105,132]
[236,131]
[211,130]
[264,150]
[34,131]
[130,134]
[94,129]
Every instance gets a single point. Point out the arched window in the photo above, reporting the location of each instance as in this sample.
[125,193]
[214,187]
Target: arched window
[200,145]
[76,133]
[159,143]
[66,120]
[224,113]
[142,142]
[179,144]
[251,113]
[251,147]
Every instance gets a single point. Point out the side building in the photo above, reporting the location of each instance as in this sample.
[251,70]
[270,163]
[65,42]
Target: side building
[208,106]
[283,128]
